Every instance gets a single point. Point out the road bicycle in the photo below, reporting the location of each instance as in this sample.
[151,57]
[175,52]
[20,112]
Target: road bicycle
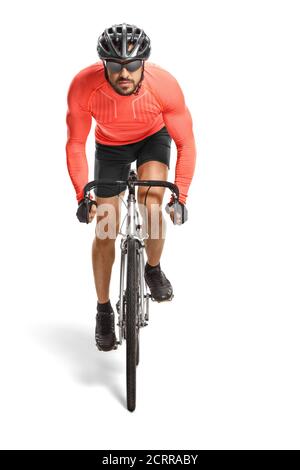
[133,303]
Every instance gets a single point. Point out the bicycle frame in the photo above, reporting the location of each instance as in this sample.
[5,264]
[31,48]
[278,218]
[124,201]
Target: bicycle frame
[133,230]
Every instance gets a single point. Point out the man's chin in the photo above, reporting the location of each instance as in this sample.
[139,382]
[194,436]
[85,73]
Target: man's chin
[127,91]
[123,91]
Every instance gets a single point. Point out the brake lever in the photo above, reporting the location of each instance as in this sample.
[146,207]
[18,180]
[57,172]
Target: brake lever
[179,210]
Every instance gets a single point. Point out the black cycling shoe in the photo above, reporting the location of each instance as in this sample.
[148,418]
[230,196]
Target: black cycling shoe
[160,287]
[105,330]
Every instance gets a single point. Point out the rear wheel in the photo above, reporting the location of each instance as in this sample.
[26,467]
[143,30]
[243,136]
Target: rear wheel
[131,321]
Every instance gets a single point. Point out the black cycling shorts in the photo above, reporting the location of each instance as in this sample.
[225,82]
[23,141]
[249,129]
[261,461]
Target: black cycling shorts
[114,161]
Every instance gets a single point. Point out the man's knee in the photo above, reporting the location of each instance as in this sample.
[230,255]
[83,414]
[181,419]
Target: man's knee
[108,219]
[151,202]
[153,194]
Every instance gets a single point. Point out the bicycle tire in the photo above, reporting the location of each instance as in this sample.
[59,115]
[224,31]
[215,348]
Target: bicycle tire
[137,360]
[131,321]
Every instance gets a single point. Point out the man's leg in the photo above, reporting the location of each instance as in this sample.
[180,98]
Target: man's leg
[153,170]
[103,249]
[160,286]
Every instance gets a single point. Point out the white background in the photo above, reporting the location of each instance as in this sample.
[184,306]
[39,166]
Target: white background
[220,363]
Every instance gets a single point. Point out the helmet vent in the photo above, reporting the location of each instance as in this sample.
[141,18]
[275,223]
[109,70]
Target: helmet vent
[114,42]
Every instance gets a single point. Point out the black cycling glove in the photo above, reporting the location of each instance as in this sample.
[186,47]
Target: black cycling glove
[180,212]
[84,207]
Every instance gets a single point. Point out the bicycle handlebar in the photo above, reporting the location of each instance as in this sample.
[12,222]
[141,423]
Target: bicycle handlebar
[165,184]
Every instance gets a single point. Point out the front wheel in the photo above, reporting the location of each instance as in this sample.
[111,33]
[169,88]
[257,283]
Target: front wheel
[131,320]
[137,349]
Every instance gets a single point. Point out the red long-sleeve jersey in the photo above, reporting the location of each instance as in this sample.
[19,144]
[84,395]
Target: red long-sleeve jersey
[122,120]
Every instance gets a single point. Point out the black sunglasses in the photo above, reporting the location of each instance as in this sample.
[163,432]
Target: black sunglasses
[115,67]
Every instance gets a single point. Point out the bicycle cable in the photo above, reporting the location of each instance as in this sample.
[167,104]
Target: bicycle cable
[146,195]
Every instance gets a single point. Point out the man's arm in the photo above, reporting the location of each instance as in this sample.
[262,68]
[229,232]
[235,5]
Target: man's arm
[79,121]
[179,123]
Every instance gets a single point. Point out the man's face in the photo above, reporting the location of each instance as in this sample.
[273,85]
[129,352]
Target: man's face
[125,82]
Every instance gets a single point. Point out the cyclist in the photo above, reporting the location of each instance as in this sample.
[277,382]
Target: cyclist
[139,108]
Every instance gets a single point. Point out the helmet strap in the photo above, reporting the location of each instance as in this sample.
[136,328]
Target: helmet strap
[140,82]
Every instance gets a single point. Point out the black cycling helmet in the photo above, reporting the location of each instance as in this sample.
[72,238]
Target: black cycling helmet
[114,41]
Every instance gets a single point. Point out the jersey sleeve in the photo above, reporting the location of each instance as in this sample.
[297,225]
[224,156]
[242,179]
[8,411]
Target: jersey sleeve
[79,121]
[178,121]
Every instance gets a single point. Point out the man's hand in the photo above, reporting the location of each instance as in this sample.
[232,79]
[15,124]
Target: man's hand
[87,209]
[177,211]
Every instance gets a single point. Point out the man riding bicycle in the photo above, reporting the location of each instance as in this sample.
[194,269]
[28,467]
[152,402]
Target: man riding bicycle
[138,108]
